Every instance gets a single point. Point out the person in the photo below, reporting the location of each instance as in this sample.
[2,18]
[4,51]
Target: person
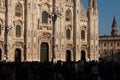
[94,71]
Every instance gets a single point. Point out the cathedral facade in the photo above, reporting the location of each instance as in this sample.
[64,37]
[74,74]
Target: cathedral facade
[28,30]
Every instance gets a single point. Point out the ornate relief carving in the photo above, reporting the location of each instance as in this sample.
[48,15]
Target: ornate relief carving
[45,36]
[84,47]
[40,27]
[44,5]
[19,44]
[83,27]
[69,26]
[18,22]
[69,46]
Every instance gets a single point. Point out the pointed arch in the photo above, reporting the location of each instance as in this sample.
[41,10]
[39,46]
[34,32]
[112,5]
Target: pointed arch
[83,35]
[18,10]
[18,30]
[44,17]
[68,34]
[68,15]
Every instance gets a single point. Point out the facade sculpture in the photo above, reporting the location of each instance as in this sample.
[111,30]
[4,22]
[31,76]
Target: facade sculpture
[26,30]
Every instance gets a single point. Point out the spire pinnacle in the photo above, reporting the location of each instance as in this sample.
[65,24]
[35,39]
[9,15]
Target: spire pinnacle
[90,4]
[114,22]
[93,4]
[114,31]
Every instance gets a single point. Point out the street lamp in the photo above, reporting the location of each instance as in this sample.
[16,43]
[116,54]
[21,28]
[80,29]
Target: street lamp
[54,16]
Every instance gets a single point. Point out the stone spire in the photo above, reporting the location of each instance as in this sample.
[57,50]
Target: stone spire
[114,31]
[92,4]
[95,4]
[93,27]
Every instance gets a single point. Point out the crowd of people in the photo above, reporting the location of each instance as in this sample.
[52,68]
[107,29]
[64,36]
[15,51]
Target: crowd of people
[80,70]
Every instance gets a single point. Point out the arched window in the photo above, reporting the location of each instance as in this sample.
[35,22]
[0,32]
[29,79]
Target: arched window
[68,15]
[68,34]
[18,10]
[83,35]
[18,31]
[0,29]
[44,17]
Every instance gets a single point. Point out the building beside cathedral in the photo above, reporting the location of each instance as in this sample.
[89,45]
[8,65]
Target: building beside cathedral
[26,30]
[110,44]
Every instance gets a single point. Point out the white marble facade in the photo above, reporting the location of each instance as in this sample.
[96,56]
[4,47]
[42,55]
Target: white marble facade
[76,30]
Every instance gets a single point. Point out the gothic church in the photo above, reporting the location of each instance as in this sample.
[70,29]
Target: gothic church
[27,32]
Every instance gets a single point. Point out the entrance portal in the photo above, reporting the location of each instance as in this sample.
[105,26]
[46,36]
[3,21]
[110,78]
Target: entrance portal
[18,55]
[68,55]
[83,55]
[44,54]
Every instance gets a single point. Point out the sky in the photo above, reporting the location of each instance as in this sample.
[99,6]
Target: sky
[107,9]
